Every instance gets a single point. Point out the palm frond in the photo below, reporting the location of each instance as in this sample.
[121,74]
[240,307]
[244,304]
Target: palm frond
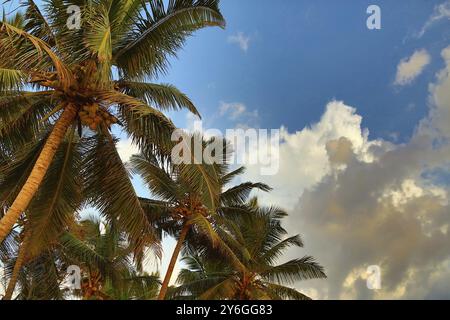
[11,79]
[109,189]
[275,252]
[305,268]
[279,292]
[239,194]
[59,196]
[161,96]
[145,49]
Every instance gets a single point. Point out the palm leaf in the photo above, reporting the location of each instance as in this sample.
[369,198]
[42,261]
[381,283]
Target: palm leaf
[162,32]
[305,268]
[109,189]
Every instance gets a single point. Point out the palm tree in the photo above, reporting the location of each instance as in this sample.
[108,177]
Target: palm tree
[192,199]
[89,79]
[109,270]
[56,82]
[259,241]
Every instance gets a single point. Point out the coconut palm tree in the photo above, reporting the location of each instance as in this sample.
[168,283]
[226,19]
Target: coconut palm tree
[191,200]
[56,82]
[108,268]
[259,241]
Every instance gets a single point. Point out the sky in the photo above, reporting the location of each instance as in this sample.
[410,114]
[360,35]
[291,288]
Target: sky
[365,125]
[364,118]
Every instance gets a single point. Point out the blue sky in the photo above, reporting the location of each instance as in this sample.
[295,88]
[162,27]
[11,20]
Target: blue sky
[302,54]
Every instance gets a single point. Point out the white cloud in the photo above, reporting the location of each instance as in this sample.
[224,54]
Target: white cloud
[359,202]
[233,110]
[441,12]
[410,68]
[242,40]
[126,149]
[438,121]
[304,160]
[239,113]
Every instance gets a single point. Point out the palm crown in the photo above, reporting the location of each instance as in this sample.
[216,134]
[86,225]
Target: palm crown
[259,240]
[192,200]
[71,74]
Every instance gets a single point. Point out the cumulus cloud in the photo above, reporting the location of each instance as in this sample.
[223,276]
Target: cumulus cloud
[359,202]
[441,12]
[241,39]
[379,213]
[410,68]
[304,160]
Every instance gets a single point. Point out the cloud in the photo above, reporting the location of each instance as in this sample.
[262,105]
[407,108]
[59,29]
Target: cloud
[239,113]
[359,202]
[438,121]
[233,110]
[242,40]
[441,12]
[410,68]
[304,160]
[126,149]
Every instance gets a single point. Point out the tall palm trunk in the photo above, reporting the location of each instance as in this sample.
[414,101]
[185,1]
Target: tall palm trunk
[173,261]
[37,175]
[21,256]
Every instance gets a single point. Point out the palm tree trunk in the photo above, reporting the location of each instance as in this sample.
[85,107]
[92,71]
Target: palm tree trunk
[173,261]
[21,256]
[37,175]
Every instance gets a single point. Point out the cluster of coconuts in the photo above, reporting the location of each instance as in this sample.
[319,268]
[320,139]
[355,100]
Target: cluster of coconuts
[190,206]
[93,116]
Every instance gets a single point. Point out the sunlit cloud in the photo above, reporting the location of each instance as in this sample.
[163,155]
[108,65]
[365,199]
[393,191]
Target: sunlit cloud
[412,67]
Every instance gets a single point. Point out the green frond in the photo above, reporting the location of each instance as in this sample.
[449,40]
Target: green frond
[161,96]
[40,279]
[225,290]
[239,194]
[36,24]
[279,292]
[157,179]
[15,170]
[59,196]
[147,126]
[22,117]
[11,79]
[9,247]
[230,176]
[79,251]
[276,252]
[145,49]
[98,34]
[27,61]
[204,227]
[109,189]
[305,268]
